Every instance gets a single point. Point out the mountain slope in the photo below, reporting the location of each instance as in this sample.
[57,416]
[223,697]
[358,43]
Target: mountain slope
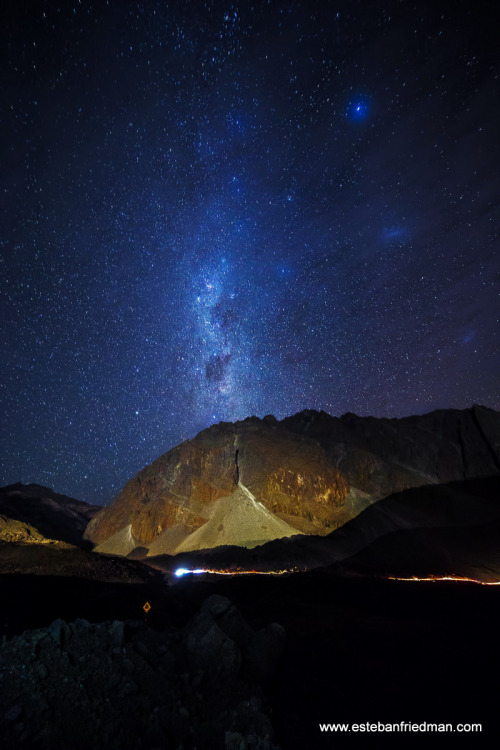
[289,474]
[433,530]
[312,471]
[121,543]
[237,520]
[54,516]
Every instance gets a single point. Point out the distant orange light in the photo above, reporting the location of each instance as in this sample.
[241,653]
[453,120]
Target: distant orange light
[446,578]
[180,572]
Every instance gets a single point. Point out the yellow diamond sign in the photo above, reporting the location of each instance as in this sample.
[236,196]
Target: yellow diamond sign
[147,607]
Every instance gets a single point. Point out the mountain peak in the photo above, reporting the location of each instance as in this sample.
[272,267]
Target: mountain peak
[310,472]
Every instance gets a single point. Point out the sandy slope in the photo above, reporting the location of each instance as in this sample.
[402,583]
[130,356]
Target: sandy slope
[120,543]
[237,520]
[169,540]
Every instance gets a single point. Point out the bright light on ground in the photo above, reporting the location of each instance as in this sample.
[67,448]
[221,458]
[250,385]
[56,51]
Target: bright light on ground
[196,571]
[185,571]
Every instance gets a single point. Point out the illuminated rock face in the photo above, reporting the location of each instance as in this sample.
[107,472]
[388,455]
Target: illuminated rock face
[312,471]
[237,520]
[289,474]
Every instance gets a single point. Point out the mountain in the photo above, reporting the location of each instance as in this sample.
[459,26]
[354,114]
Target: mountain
[121,543]
[389,498]
[287,473]
[440,530]
[31,513]
[312,472]
[235,520]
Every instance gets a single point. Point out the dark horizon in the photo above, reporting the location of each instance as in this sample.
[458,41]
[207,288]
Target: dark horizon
[257,209]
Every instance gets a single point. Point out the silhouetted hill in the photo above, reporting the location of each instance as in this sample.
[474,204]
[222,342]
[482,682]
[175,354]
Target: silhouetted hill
[53,516]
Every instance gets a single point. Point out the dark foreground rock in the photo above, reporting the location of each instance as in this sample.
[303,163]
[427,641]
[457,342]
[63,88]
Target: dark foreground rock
[124,685]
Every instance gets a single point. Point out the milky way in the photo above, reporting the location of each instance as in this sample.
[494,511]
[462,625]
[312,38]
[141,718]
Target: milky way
[214,210]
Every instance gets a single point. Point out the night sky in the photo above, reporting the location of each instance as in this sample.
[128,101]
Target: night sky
[214,210]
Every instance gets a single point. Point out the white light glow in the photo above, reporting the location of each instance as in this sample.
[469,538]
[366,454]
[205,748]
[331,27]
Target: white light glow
[185,571]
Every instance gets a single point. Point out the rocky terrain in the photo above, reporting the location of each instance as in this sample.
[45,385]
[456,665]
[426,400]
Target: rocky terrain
[83,664]
[356,649]
[116,685]
[41,534]
[312,471]
[54,558]
[441,530]
[287,473]
[14,531]
[31,513]
[366,649]
[235,520]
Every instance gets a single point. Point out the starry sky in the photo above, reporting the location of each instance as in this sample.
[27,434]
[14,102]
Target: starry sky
[214,210]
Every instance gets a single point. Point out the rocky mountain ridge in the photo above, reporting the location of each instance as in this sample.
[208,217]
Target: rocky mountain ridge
[312,471]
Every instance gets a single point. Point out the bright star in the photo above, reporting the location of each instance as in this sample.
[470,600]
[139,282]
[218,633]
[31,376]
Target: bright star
[357,110]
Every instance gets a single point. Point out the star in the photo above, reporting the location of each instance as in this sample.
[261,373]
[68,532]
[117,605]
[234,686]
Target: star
[209,216]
